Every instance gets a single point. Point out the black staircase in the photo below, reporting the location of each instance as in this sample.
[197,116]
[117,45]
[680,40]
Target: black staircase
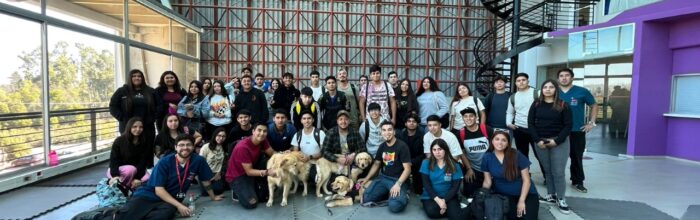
[520,27]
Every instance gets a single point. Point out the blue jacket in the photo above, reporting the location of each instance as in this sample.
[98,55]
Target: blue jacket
[280,142]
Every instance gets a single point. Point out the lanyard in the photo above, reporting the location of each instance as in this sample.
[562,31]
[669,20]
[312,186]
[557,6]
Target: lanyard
[177,169]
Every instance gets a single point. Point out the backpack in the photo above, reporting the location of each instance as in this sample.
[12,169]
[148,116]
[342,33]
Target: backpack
[109,195]
[488,206]
[463,132]
[317,137]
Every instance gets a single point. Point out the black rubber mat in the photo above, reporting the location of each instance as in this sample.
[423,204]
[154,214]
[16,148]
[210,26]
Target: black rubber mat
[692,213]
[601,209]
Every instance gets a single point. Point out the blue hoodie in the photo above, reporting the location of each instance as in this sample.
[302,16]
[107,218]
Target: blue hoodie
[280,142]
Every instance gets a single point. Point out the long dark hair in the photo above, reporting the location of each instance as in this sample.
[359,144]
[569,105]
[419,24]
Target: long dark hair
[411,95]
[162,88]
[510,159]
[558,103]
[131,92]
[450,166]
[199,86]
[127,138]
[457,97]
[224,93]
[213,139]
[433,86]
[279,84]
[166,131]
[208,91]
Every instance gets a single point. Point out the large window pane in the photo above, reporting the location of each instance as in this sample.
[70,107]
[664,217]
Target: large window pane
[619,69]
[609,40]
[21,126]
[82,74]
[186,71]
[185,40]
[31,5]
[147,26]
[594,70]
[105,15]
[151,63]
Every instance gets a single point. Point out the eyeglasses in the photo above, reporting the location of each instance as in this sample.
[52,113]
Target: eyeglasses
[185,145]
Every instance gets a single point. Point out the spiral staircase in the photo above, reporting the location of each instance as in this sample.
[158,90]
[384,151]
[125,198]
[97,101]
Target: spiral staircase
[519,27]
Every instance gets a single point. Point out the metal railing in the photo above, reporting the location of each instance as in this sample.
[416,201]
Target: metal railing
[73,133]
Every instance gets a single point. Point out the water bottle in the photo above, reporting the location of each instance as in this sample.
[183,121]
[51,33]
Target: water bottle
[190,202]
[53,158]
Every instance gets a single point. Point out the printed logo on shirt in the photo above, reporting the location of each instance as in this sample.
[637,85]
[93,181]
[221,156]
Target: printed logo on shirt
[388,158]
[191,176]
[476,145]
[574,101]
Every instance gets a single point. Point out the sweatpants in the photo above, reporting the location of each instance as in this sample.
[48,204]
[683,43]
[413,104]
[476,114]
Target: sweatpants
[523,140]
[454,210]
[554,162]
[127,173]
[532,207]
[142,208]
[577,141]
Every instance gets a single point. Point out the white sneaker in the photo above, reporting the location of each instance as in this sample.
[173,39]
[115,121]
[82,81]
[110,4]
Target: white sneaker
[563,207]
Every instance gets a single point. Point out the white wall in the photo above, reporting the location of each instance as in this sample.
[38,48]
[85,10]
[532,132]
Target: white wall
[553,51]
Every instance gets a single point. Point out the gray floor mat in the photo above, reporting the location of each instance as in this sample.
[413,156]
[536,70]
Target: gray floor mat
[29,201]
[600,209]
[692,213]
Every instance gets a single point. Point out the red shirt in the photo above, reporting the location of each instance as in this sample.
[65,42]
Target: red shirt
[244,152]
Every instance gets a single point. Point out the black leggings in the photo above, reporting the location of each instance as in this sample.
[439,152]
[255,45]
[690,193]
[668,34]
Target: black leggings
[454,210]
[532,207]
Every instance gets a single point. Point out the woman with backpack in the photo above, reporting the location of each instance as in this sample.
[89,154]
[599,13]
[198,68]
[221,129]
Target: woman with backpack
[549,122]
[129,157]
[507,172]
[441,176]
[191,108]
[464,99]
[431,101]
[219,107]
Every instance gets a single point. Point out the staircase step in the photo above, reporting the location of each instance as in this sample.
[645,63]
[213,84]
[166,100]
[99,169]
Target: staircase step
[498,8]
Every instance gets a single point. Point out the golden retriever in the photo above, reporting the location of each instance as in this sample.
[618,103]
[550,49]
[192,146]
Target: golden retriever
[342,186]
[288,169]
[324,169]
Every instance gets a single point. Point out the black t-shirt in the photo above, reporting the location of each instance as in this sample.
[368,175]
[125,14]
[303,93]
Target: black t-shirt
[237,133]
[393,157]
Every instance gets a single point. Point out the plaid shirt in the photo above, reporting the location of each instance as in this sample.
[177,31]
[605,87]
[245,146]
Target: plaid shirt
[331,144]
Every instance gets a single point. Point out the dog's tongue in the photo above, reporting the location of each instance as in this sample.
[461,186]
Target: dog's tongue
[357,186]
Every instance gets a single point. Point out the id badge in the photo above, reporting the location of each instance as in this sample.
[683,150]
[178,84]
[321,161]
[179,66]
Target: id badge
[448,177]
[180,195]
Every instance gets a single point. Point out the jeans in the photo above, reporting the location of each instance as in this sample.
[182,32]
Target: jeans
[554,162]
[454,210]
[249,191]
[577,141]
[379,190]
[532,207]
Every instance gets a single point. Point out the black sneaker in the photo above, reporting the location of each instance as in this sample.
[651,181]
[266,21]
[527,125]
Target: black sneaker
[563,207]
[580,188]
[549,199]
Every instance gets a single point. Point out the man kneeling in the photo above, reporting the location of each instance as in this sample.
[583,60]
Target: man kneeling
[170,180]
[394,158]
[247,171]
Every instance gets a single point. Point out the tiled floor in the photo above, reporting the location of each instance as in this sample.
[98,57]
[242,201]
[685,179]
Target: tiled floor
[668,185]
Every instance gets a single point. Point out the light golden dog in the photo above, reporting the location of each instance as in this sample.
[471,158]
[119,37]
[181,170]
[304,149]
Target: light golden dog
[324,169]
[288,170]
[342,186]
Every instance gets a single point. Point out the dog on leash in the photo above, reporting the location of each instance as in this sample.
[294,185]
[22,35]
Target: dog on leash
[347,192]
[324,169]
[288,168]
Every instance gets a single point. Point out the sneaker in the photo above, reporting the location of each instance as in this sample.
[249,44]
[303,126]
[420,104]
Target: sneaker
[234,197]
[580,188]
[563,207]
[549,199]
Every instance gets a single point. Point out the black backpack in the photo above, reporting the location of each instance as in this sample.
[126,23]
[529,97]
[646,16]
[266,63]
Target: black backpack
[488,206]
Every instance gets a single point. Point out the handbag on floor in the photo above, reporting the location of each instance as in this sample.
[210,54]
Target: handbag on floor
[110,195]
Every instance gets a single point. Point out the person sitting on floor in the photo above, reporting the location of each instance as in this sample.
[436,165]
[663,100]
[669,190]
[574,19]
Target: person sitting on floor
[166,190]
[129,157]
[441,175]
[247,171]
[507,171]
[394,157]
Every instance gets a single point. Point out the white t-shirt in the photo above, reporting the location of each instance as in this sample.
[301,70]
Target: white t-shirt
[461,105]
[450,138]
[308,143]
[318,92]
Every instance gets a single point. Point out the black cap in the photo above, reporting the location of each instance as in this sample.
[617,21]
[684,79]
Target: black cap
[307,91]
[467,110]
[373,106]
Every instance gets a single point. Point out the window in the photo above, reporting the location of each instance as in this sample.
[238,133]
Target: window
[105,16]
[685,96]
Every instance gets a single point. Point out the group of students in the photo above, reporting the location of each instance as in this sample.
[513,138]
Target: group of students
[385,119]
